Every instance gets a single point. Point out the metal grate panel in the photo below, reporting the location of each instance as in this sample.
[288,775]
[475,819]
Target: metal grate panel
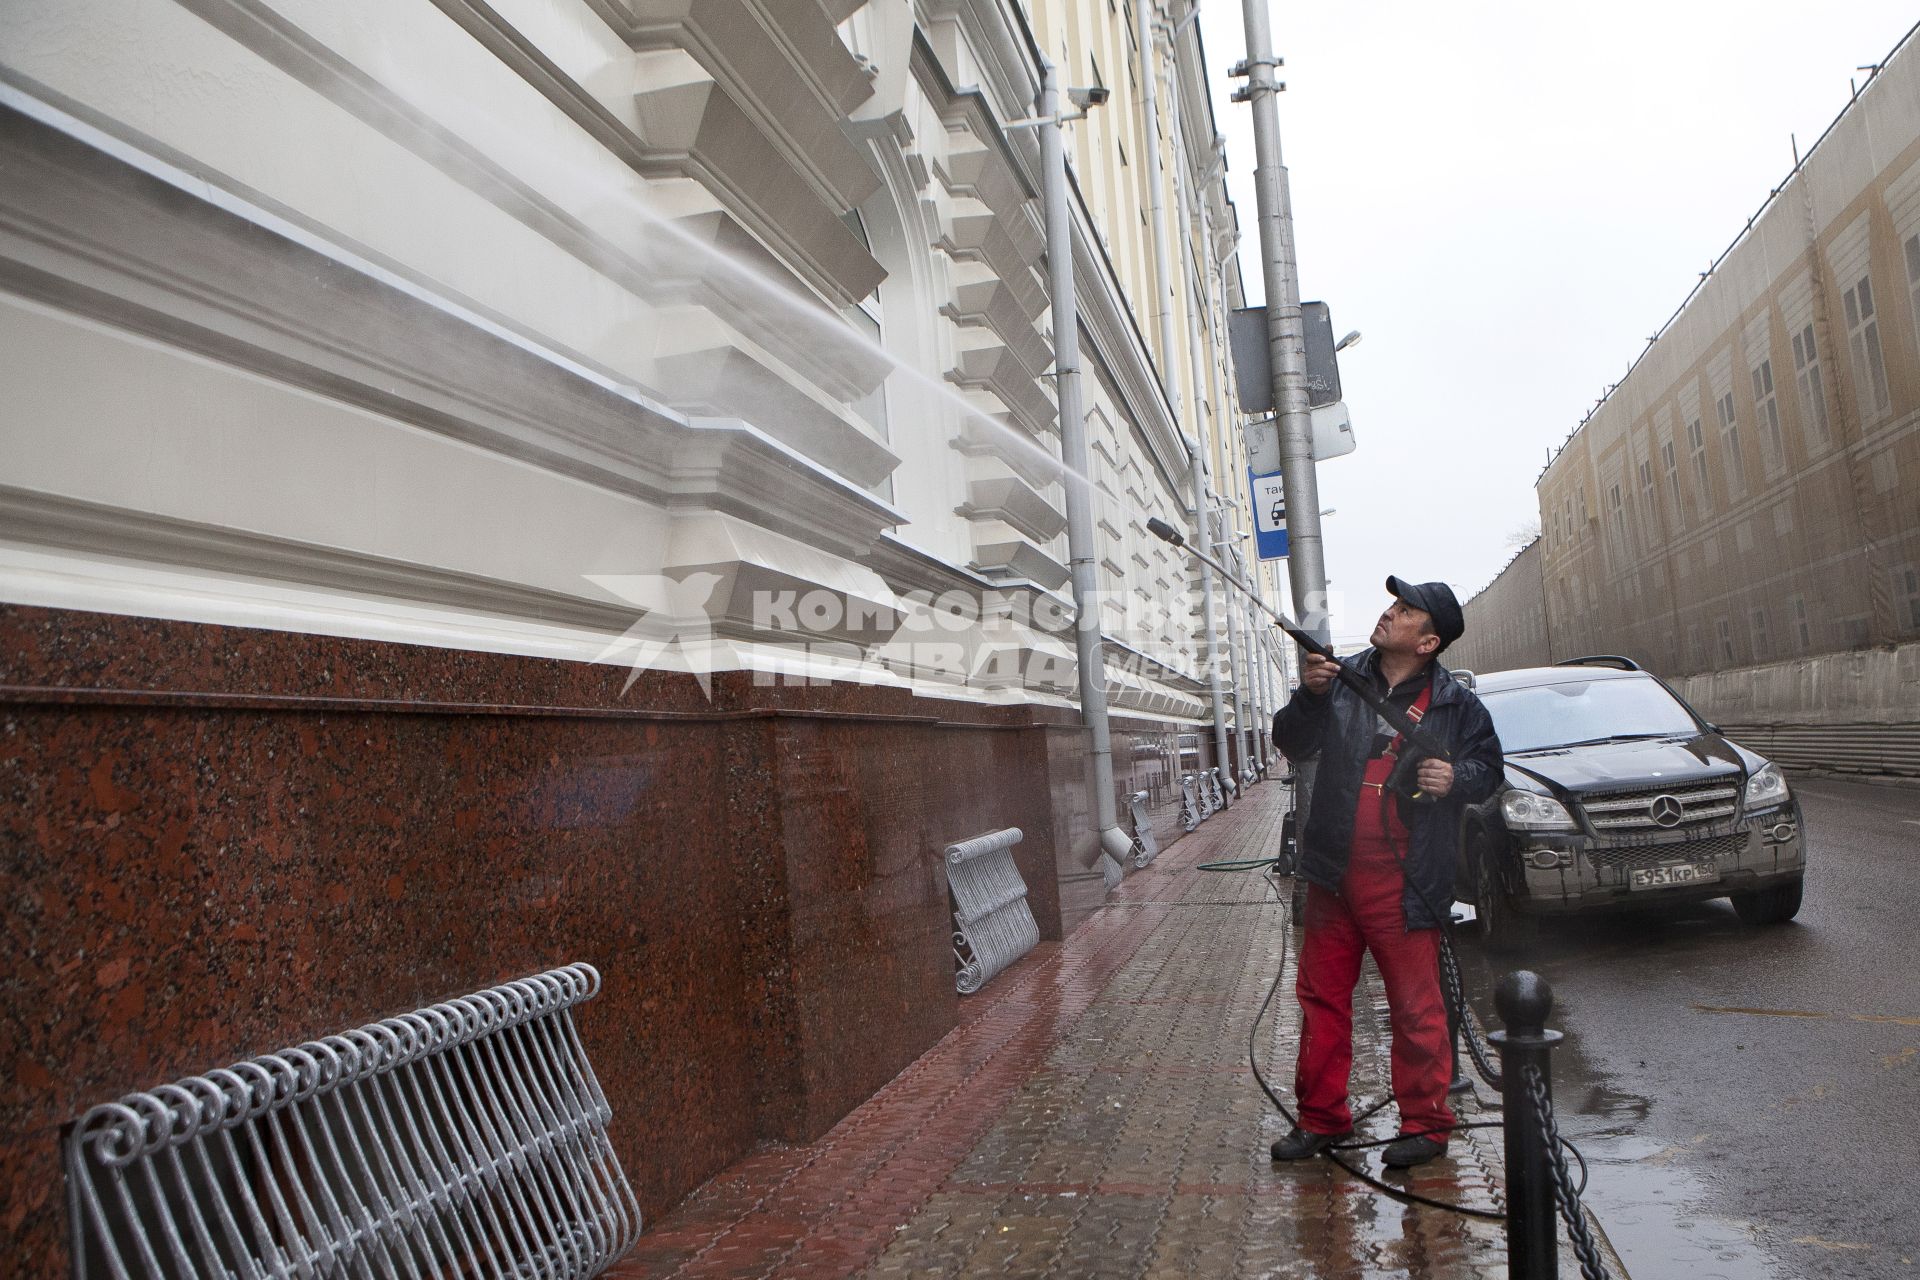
[1858,747]
[464,1139]
[1654,855]
[1632,810]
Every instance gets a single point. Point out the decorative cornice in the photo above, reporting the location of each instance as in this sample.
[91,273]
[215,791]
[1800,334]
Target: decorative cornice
[782,62]
[68,524]
[818,248]
[997,35]
[88,234]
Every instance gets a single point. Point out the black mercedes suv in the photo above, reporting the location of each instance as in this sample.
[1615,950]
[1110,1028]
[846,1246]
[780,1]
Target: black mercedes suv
[1618,794]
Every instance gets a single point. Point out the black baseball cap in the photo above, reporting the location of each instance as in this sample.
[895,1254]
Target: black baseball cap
[1436,599]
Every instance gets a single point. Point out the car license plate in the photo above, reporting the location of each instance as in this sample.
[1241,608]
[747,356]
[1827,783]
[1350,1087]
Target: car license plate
[1662,877]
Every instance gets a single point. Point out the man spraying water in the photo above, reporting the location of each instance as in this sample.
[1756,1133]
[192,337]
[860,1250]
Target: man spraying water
[1378,854]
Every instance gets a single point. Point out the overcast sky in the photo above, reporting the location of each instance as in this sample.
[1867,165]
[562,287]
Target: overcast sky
[1508,200]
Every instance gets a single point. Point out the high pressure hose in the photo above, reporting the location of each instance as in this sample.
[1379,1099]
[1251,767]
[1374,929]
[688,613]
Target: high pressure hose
[1482,1063]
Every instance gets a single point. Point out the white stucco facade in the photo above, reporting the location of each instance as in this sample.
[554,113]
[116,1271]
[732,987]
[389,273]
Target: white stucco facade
[472,324]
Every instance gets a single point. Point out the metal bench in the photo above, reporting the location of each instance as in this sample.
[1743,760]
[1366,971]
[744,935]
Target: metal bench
[1146,846]
[993,925]
[464,1139]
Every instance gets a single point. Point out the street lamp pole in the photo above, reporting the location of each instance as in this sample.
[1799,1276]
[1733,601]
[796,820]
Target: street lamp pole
[1306,563]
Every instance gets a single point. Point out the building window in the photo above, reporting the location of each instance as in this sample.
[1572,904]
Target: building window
[1730,442]
[1863,341]
[1673,476]
[1759,635]
[1806,376]
[1885,472]
[1800,624]
[1697,450]
[1646,490]
[1696,655]
[1725,628]
[1619,522]
[1913,278]
[1773,447]
[1906,586]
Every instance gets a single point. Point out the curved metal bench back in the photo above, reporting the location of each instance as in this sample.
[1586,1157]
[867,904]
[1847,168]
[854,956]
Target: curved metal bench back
[464,1139]
[993,925]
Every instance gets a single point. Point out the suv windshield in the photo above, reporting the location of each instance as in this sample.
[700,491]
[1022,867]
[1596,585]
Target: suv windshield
[1553,715]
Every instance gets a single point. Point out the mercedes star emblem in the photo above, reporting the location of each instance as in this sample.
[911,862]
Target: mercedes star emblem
[1666,811]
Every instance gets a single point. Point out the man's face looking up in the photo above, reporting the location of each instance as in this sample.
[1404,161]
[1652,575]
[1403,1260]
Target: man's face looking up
[1405,630]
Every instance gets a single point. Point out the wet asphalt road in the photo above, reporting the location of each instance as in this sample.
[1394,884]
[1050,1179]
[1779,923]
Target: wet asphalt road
[1750,1097]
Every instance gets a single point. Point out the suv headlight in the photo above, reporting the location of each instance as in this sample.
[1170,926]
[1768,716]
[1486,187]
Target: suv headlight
[1525,811]
[1766,787]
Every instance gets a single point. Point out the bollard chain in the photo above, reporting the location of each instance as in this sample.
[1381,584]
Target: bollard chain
[1591,1268]
[1477,1046]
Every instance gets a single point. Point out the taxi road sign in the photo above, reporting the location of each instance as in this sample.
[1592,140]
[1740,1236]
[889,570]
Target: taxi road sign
[1269,514]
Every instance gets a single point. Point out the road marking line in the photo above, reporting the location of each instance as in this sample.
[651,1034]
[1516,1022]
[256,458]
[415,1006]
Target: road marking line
[1808,1013]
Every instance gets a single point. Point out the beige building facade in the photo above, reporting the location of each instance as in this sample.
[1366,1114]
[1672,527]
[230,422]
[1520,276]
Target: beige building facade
[1751,491]
[1749,494]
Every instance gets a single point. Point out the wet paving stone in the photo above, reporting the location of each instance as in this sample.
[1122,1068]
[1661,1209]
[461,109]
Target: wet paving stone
[1098,1117]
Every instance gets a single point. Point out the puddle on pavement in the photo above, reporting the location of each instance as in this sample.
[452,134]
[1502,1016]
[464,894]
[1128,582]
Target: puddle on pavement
[1647,1200]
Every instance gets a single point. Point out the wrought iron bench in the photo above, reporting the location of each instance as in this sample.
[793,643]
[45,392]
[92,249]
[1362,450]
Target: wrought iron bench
[993,925]
[1146,845]
[464,1139]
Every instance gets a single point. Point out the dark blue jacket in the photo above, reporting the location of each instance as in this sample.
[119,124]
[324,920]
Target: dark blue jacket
[1338,728]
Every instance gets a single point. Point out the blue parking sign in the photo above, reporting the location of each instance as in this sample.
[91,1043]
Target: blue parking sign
[1269,514]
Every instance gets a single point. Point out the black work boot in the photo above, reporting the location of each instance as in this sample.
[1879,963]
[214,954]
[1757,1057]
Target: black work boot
[1404,1153]
[1299,1144]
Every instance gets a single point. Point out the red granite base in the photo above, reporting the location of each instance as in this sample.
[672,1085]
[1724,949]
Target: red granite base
[221,841]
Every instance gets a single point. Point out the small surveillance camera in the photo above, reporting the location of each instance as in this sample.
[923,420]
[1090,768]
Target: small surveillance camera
[1084,98]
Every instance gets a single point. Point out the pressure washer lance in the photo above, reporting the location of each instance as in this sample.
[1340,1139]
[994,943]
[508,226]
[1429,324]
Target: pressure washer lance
[1424,745]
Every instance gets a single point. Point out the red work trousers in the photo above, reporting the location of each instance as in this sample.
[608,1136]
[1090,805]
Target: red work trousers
[1367,915]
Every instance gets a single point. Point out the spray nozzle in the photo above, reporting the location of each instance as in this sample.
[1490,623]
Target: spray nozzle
[1165,532]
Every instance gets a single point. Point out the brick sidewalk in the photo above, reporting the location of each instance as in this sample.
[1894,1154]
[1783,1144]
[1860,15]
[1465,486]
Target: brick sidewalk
[1094,1115]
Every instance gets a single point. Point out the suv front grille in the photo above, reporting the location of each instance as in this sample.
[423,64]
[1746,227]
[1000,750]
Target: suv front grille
[1654,855]
[1633,810]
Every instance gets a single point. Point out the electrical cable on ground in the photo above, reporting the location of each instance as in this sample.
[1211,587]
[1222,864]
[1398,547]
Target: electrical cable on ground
[1333,1153]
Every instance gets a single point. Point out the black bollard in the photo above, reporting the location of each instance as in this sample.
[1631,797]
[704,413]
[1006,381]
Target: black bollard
[1524,1000]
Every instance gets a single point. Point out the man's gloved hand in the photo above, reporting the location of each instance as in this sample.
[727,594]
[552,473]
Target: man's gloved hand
[1317,674]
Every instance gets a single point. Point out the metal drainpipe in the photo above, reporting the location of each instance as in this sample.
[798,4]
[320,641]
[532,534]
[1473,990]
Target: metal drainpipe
[1270,683]
[1197,444]
[1232,673]
[1115,845]
[1243,687]
[1263,733]
[1214,286]
[1249,622]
